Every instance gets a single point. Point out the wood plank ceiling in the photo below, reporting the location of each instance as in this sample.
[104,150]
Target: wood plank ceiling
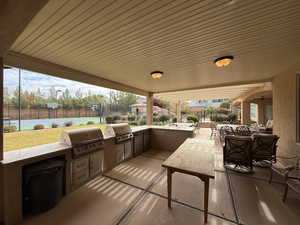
[230,92]
[124,40]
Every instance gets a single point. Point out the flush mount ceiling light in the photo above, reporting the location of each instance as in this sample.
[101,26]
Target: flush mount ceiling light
[223,61]
[157,74]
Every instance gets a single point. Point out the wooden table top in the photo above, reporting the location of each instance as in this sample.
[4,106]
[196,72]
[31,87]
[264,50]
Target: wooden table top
[194,156]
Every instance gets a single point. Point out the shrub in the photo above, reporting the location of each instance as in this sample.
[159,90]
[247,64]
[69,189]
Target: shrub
[223,111]
[142,121]
[131,118]
[133,123]
[225,105]
[68,123]
[54,125]
[174,120]
[155,119]
[90,123]
[38,127]
[109,119]
[192,118]
[220,117]
[9,129]
[116,117]
[164,118]
[232,117]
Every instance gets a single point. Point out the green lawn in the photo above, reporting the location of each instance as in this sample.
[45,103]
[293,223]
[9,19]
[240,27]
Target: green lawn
[24,139]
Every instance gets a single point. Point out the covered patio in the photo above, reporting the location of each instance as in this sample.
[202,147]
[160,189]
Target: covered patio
[173,51]
[135,192]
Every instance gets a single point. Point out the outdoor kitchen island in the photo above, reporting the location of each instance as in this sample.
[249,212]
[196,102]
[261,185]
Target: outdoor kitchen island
[144,138]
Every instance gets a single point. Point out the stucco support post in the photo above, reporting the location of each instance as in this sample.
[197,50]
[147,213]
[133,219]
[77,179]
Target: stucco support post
[260,112]
[1,108]
[245,112]
[149,108]
[178,111]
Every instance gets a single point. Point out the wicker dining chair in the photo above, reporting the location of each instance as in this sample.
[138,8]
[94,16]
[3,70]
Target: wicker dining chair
[226,131]
[264,149]
[237,153]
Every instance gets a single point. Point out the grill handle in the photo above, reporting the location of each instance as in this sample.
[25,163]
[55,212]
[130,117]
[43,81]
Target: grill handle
[88,142]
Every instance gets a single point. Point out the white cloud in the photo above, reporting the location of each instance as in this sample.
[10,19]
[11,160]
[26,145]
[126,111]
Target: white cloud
[31,81]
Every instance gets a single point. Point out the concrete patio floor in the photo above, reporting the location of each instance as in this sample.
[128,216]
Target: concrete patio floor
[134,193]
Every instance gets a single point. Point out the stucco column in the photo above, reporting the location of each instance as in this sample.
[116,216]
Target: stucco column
[1,108]
[260,112]
[149,109]
[245,112]
[178,111]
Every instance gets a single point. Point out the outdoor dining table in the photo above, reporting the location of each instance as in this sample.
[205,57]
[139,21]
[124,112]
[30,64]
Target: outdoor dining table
[234,126]
[194,157]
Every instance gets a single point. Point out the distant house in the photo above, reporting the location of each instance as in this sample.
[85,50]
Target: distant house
[141,108]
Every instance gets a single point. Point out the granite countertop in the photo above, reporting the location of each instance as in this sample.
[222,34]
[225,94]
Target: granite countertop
[179,127]
[174,127]
[32,152]
[52,148]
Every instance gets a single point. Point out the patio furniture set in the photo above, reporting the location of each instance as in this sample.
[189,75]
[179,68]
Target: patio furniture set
[244,149]
[240,153]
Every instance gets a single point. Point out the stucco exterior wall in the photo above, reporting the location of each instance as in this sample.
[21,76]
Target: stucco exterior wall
[245,113]
[261,104]
[284,111]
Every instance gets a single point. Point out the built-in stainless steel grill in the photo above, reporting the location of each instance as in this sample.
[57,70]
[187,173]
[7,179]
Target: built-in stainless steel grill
[122,132]
[83,141]
[123,140]
[87,151]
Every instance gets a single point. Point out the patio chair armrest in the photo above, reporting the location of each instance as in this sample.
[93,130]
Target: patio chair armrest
[286,157]
[283,167]
[294,178]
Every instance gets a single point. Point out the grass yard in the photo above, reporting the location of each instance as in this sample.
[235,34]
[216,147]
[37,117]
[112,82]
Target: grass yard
[24,139]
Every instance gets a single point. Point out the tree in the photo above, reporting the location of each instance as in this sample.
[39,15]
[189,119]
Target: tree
[52,95]
[185,109]
[127,99]
[225,105]
[211,109]
[66,99]
[161,103]
[6,97]
[39,99]
[24,100]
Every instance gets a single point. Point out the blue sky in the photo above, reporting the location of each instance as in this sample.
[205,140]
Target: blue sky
[31,81]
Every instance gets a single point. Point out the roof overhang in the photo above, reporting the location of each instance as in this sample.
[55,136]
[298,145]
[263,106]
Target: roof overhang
[41,66]
[230,92]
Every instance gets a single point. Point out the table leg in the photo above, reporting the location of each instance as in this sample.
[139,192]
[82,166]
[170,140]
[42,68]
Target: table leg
[206,193]
[169,181]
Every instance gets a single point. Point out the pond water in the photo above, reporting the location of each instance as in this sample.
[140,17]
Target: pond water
[29,124]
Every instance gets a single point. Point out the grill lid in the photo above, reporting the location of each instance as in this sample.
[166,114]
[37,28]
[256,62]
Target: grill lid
[118,129]
[81,136]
